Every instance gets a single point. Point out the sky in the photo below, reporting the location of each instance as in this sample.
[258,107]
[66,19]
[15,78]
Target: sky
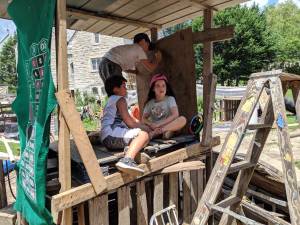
[7,26]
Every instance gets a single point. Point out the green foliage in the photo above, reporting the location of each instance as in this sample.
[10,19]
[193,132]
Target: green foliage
[90,124]
[251,49]
[171,30]
[14,146]
[8,70]
[284,22]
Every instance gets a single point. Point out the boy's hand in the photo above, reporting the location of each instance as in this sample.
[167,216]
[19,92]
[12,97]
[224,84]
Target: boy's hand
[153,126]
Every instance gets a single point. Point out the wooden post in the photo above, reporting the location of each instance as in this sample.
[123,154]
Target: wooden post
[142,209]
[208,86]
[173,190]
[63,83]
[154,34]
[98,210]
[123,205]
[3,197]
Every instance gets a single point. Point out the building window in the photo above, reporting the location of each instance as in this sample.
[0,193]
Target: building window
[95,91]
[95,64]
[97,38]
[72,67]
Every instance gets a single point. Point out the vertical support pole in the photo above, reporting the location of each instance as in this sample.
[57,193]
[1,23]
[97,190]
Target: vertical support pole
[3,197]
[208,97]
[173,191]
[142,209]
[154,34]
[63,83]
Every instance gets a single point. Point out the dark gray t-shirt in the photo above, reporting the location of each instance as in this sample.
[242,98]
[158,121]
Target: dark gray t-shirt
[158,111]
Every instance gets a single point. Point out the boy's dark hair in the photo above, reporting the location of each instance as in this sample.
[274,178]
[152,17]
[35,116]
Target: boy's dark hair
[112,82]
[141,36]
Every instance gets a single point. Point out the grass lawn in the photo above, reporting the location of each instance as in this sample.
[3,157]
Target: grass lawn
[90,125]
[14,146]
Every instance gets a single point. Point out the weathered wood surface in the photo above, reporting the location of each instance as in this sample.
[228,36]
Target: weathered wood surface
[173,190]
[98,210]
[213,34]
[158,196]
[184,166]
[296,91]
[80,214]
[186,197]
[287,158]
[124,205]
[142,209]
[85,192]
[82,141]
[63,83]
[228,151]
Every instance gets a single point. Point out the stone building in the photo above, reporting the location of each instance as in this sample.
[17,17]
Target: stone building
[84,53]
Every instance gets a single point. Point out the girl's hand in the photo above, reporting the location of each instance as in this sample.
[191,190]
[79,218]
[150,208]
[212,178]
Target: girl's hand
[153,126]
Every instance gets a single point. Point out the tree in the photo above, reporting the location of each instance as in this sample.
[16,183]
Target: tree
[284,22]
[250,50]
[8,71]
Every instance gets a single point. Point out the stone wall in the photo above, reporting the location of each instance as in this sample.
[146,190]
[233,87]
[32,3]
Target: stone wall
[81,50]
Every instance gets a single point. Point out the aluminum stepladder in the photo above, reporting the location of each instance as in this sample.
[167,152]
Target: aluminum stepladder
[273,83]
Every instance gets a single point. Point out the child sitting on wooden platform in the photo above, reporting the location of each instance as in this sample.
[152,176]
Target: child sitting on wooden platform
[119,130]
[161,111]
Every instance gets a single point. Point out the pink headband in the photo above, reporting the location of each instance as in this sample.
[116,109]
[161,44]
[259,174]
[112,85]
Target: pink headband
[157,77]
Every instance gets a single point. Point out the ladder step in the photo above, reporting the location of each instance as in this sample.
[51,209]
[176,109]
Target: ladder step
[243,219]
[228,201]
[235,167]
[258,126]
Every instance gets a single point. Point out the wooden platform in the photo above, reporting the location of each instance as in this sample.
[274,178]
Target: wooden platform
[8,216]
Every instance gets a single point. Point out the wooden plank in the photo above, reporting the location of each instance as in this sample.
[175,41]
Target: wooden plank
[63,83]
[194,190]
[142,209]
[186,197]
[98,210]
[3,197]
[184,166]
[209,89]
[8,216]
[80,214]
[228,201]
[82,141]
[158,193]
[262,213]
[85,15]
[288,165]
[85,192]
[123,205]
[158,196]
[173,190]
[236,167]
[213,34]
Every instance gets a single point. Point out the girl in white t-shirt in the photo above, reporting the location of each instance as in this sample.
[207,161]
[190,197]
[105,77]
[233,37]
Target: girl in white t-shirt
[161,111]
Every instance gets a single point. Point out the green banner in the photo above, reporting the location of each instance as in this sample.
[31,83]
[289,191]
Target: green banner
[34,104]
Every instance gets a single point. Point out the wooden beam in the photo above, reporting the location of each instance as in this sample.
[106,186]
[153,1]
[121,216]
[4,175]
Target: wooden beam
[184,166]
[98,210]
[213,34]
[186,197]
[85,192]
[63,83]
[85,15]
[123,205]
[158,196]
[173,190]
[81,139]
[154,34]
[80,214]
[142,209]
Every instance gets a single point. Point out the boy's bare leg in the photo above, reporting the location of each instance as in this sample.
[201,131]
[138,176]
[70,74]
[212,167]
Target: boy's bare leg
[137,144]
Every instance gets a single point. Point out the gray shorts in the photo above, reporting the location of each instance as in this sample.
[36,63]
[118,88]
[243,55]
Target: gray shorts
[120,138]
[108,68]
